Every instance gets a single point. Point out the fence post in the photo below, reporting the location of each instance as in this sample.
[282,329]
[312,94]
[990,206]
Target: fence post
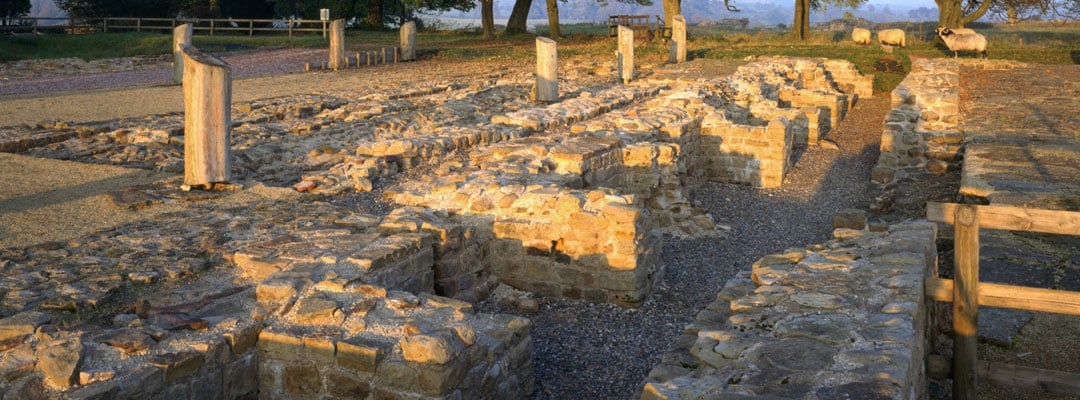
[965,303]
[289,25]
[251,28]
[626,54]
[547,70]
[408,41]
[181,37]
[207,97]
[104,25]
[337,44]
[211,27]
[678,39]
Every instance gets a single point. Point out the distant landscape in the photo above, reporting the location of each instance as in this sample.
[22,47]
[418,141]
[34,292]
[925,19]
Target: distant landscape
[760,13]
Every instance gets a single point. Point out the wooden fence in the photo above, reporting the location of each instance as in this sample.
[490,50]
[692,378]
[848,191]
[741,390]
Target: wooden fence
[966,294]
[211,27]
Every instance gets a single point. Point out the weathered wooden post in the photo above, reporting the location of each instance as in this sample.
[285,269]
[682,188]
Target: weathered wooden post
[966,303]
[408,41]
[678,39]
[547,70]
[626,54]
[181,36]
[337,44]
[207,97]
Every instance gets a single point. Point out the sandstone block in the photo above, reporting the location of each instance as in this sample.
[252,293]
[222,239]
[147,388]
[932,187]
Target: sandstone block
[59,361]
[177,366]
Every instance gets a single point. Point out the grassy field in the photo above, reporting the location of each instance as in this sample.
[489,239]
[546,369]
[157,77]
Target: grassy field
[1036,43]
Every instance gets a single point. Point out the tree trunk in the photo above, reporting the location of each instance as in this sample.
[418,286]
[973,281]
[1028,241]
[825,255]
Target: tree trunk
[487,18]
[553,19]
[1011,13]
[518,17]
[951,13]
[671,9]
[375,15]
[800,30]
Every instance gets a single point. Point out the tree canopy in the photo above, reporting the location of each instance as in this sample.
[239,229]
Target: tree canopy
[371,12]
[14,8]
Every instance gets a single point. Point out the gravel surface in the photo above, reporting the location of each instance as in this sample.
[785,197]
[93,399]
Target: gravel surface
[158,72]
[600,351]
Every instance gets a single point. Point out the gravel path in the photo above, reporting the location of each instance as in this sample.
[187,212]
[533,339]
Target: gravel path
[600,351]
[250,64]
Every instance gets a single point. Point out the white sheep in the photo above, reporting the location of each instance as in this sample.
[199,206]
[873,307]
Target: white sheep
[969,42]
[892,37]
[860,36]
[958,31]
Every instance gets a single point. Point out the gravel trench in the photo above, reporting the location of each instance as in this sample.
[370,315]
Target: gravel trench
[601,351]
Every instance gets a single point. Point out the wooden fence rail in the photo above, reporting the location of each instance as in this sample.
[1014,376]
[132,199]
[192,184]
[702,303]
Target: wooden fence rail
[228,26]
[967,293]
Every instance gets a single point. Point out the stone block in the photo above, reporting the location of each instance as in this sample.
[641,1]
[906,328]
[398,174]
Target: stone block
[178,366]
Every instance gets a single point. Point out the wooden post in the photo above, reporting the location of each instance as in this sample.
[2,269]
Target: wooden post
[408,41]
[211,27]
[337,44]
[678,39]
[207,97]
[251,28]
[181,37]
[547,70]
[966,303]
[626,54]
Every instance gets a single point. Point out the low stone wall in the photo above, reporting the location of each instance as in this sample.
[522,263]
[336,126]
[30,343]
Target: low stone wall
[922,133]
[339,342]
[843,319]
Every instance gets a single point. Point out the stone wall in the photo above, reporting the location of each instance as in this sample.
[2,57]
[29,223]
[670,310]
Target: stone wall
[842,319]
[337,342]
[274,300]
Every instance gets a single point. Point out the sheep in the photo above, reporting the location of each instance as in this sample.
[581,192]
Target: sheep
[860,36]
[969,42]
[958,31]
[893,37]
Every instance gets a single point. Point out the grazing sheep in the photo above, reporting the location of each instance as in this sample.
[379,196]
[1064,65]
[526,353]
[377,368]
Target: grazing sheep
[861,36]
[958,31]
[892,37]
[957,43]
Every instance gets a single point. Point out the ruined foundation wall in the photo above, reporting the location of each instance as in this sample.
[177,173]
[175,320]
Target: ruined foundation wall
[843,319]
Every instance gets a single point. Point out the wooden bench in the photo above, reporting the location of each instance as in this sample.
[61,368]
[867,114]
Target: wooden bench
[639,24]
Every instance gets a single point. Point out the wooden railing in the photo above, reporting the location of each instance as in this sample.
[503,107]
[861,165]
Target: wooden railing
[227,26]
[966,294]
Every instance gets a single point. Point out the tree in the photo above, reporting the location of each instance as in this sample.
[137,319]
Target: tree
[674,7]
[14,8]
[518,17]
[801,28]
[487,18]
[957,13]
[553,19]
[1014,11]
[122,8]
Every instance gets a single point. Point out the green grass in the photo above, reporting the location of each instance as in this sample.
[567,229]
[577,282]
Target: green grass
[1035,43]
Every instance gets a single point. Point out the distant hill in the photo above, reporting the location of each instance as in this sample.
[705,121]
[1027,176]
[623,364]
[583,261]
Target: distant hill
[760,13]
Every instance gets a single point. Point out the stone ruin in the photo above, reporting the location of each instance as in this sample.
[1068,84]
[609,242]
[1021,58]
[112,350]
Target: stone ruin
[310,300]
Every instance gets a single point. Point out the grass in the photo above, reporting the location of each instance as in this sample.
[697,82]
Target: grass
[1035,43]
